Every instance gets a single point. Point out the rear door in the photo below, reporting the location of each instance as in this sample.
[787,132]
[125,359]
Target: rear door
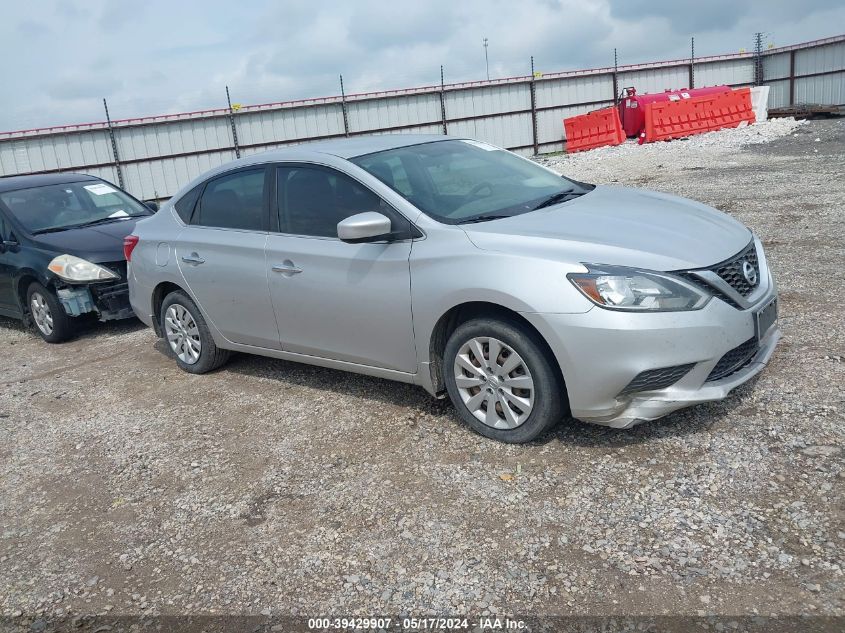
[7,268]
[221,257]
[348,302]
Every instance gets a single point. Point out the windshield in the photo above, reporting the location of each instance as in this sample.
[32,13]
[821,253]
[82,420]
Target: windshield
[458,181]
[74,204]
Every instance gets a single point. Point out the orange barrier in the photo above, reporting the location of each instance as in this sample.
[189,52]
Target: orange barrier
[594,129]
[674,119]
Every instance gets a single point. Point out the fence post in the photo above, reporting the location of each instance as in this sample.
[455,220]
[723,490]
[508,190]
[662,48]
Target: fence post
[232,121]
[114,147]
[442,100]
[615,78]
[343,107]
[534,107]
[792,77]
[692,64]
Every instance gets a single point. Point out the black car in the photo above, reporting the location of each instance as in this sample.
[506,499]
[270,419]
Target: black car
[61,256]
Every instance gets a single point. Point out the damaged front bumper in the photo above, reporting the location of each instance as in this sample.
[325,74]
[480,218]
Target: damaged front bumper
[109,301]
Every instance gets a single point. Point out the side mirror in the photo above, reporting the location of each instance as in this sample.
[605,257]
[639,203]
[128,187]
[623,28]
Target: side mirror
[364,227]
[152,206]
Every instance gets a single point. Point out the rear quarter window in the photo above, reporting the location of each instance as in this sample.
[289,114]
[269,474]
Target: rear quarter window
[185,205]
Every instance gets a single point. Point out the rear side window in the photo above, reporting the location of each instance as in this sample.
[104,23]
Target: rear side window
[185,205]
[234,201]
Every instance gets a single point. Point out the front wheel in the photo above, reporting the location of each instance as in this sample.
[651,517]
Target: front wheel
[502,381]
[51,321]
[187,336]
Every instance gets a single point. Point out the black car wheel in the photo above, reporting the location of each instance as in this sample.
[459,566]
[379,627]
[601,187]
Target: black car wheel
[50,319]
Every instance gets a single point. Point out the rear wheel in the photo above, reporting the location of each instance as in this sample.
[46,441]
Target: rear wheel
[501,380]
[51,321]
[187,336]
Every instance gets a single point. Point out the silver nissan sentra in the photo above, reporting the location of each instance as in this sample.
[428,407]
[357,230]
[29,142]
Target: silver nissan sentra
[465,269]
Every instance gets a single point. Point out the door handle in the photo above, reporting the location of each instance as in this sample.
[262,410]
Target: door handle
[193,259]
[287,268]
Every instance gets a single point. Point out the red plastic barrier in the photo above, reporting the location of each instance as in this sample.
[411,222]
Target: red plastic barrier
[594,129]
[632,105]
[675,119]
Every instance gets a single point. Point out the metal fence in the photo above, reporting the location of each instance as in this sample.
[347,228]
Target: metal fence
[153,156]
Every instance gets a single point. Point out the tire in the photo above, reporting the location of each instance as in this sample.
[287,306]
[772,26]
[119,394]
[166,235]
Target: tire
[187,336]
[529,384]
[48,316]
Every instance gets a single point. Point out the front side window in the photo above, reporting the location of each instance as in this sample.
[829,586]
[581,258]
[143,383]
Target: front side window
[71,205]
[233,201]
[312,200]
[456,181]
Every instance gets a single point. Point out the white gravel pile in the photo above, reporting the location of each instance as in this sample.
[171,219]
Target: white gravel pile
[602,164]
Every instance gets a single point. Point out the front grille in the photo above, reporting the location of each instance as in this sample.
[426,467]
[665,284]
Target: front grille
[731,270]
[735,359]
[698,281]
[653,379]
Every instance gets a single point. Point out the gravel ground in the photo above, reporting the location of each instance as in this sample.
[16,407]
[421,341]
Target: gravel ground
[128,487]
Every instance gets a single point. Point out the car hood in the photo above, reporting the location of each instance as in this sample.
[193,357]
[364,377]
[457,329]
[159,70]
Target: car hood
[619,226]
[101,243]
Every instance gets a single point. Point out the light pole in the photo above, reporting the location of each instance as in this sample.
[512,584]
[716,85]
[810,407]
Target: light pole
[486,60]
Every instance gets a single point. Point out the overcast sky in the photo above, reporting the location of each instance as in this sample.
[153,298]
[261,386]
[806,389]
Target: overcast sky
[59,58]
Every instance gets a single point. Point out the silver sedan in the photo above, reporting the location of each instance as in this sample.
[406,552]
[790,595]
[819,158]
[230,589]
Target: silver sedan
[465,269]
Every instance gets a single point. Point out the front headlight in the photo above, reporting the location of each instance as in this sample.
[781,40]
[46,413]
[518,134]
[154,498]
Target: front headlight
[72,268]
[619,288]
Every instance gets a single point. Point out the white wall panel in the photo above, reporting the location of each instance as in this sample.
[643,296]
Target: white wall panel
[826,89]
[487,100]
[778,93]
[507,131]
[775,66]
[374,114]
[724,72]
[820,59]
[289,123]
[656,79]
[552,92]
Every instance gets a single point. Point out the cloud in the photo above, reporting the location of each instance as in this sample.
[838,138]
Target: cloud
[161,56]
[80,87]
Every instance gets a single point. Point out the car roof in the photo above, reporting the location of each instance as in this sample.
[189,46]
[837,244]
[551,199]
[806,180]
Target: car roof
[12,183]
[344,147]
[362,145]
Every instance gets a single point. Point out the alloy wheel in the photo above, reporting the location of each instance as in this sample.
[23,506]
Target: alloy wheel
[494,382]
[41,314]
[183,335]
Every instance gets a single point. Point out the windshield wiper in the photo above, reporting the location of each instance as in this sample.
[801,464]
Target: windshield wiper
[484,218]
[560,196]
[106,220]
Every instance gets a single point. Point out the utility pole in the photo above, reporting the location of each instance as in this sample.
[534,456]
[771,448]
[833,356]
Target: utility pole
[486,59]
[758,59]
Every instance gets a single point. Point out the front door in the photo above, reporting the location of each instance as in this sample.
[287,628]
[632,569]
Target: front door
[348,302]
[221,257]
